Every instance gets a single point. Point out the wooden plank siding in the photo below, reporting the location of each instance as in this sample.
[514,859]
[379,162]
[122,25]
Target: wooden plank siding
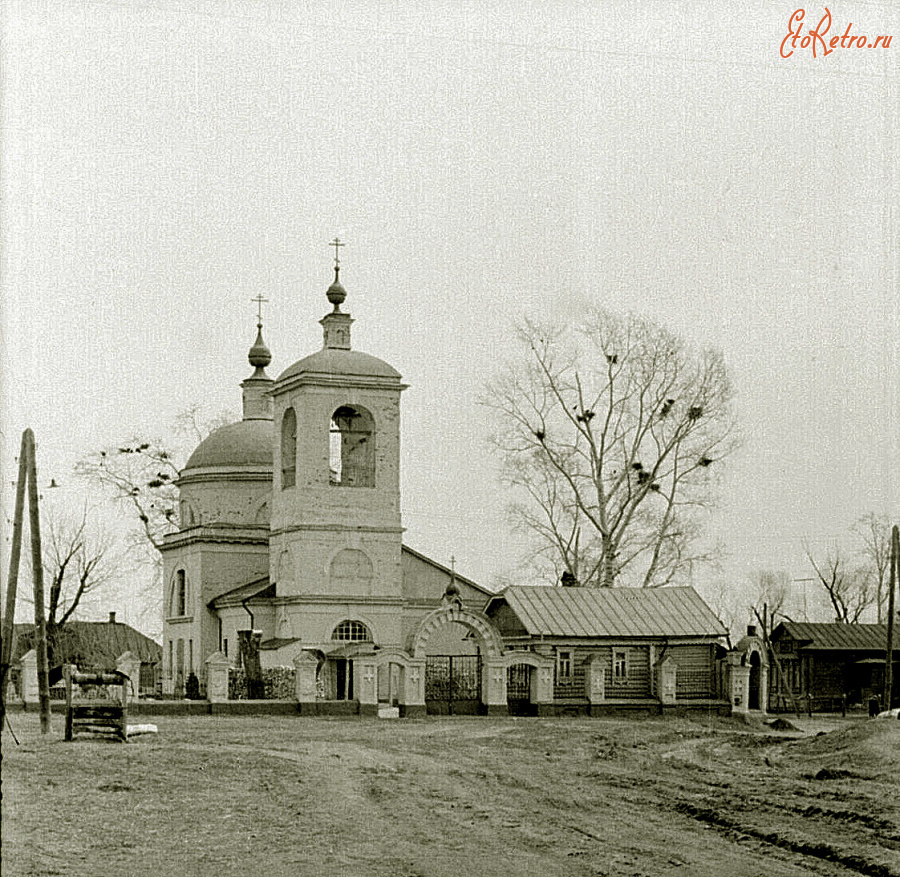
[696,677]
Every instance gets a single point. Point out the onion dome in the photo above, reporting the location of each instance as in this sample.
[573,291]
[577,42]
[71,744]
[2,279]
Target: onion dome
[260,355]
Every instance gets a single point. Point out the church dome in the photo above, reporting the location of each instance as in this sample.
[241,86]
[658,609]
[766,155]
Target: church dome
[246,443]
[337,361]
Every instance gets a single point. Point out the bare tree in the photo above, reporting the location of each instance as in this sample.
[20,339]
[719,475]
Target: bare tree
[772,588]
[139,475]
[850,590]
[611,432]
[874,532]
[78,560]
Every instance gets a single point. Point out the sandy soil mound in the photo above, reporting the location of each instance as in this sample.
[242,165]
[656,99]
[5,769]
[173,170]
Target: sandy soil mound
[868,747]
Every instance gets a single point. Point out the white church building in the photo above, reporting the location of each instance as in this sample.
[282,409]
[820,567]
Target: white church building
[290,526]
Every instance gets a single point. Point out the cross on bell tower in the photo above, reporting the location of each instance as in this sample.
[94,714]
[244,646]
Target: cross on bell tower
[336,325]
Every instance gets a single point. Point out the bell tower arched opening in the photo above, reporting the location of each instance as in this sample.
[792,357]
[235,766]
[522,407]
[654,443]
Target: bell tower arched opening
[352,448]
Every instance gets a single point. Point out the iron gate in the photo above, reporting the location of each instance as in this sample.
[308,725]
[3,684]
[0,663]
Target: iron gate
[518,691]
[453,684]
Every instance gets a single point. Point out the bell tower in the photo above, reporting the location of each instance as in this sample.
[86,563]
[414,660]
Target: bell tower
[335,525]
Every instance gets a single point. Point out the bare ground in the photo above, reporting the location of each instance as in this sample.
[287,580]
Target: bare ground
[274,796]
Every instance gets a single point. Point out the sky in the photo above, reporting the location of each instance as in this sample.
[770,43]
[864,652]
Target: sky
[163,162]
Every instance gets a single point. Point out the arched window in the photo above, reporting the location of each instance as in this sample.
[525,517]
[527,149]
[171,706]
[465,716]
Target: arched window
[288,449]
[352,632]
[179,594]
[352,457]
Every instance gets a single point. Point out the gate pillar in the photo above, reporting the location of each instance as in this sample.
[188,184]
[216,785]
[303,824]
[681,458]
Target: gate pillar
[306,667]
[366,686]
[543,690]
[217,678]
[30,691]
[667,680]
[493,686]
[413,703]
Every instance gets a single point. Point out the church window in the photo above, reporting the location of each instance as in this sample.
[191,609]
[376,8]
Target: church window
[179,594]
[351,572]
[352,632]
[352,448]
[288,449]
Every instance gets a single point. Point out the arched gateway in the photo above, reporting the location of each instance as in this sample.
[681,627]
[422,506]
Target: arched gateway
[469,678]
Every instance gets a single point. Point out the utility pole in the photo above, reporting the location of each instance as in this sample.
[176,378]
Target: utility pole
[37,566]
[12,579]
[889,654]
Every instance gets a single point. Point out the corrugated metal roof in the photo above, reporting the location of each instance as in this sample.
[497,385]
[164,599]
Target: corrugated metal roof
[837,637]
[612,612]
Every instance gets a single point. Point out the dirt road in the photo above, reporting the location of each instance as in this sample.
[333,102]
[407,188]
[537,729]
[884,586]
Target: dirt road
[467,796]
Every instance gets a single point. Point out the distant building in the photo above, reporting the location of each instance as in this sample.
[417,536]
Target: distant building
[92,645]
[829,662]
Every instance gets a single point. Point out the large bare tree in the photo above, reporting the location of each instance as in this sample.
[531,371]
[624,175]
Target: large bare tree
[611,432]
[849,589]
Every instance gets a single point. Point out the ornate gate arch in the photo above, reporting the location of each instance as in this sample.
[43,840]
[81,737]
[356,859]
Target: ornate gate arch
[462,683]
[479,624]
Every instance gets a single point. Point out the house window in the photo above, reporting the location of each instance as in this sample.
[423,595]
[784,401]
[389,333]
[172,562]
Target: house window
[563,666]
[179,594]
[352,448]
[620,666]
[352,631]
[288,449]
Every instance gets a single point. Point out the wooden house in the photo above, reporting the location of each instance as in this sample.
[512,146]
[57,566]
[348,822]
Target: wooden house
[819,665]
[92,646]
[612,649]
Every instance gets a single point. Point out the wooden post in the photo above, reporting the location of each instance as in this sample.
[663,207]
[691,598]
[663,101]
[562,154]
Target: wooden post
[15,552]
[67,673]
[889,655]
[37,566]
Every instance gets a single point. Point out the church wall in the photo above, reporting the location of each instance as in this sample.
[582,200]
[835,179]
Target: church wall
[314,622]
[422,580]
[181,628]
[303,564]
[211,569]
[225,567]
[242,502]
